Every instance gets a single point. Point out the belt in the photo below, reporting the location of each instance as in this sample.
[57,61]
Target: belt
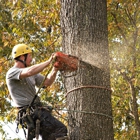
[22,107]
[37,104]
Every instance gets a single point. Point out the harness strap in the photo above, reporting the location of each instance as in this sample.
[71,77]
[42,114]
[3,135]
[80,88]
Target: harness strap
[37,129]
[19,120]
[23,61]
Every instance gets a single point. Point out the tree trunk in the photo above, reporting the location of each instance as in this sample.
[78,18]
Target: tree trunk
[135,109]
[84,32]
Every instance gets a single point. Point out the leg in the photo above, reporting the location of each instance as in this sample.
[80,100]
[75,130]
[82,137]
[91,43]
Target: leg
[51,128]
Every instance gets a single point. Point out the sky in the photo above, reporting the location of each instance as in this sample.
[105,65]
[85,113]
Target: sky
[11,130]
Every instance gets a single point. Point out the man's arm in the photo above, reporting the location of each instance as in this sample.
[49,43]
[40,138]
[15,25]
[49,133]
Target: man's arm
[37,68]
[51,77]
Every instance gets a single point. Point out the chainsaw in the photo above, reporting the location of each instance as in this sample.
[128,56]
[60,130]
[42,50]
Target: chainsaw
[65,62]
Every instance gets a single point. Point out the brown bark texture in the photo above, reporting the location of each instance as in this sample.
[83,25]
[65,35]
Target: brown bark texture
[84,35]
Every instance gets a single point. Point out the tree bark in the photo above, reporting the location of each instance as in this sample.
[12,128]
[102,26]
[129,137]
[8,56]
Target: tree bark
[84,32]
[135,109]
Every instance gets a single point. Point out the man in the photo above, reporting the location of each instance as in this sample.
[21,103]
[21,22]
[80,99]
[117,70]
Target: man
[22,80]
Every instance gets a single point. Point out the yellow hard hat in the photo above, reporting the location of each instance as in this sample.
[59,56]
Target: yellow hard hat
[20,49]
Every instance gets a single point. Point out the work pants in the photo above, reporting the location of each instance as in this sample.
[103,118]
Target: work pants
[50,127]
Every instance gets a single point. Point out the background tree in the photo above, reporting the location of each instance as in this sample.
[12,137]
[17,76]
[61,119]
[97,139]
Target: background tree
[84,33]
[123,19]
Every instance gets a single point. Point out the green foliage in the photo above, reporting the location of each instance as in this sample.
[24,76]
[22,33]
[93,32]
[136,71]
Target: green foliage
[123,19]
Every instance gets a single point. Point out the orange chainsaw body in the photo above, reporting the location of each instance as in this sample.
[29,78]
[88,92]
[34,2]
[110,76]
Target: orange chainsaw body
[65,62]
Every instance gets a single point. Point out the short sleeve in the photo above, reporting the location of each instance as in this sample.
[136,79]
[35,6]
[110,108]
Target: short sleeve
[14,73]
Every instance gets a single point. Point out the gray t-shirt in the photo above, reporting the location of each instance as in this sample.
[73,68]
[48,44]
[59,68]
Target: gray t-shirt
[22,91]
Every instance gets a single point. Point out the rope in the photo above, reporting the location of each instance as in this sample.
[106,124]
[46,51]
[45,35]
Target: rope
[87,112]
[40,87]
[87,86]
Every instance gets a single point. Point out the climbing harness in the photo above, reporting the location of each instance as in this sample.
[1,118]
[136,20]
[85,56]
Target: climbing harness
[27,119]
[24,118]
